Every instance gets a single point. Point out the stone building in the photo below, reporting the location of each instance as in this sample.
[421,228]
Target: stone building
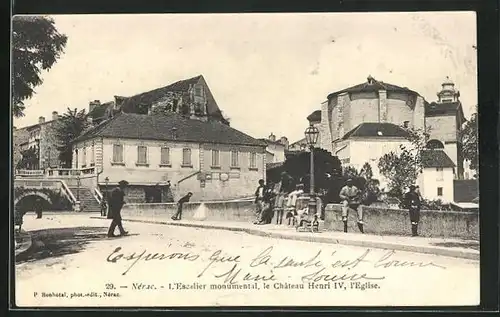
[39,137]
[206,157]
[382,105]
[190,97]
[275,150]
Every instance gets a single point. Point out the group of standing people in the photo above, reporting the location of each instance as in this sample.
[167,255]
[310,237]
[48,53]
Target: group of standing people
[274,198]
[352,198]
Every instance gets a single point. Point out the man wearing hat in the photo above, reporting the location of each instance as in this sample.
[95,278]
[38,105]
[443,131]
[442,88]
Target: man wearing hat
[116,202]
[351,198]
[413,203]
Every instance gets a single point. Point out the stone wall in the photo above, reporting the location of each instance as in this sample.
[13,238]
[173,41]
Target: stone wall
[19,136]
[239,211]
[49,154]
[380,221]
[442,128]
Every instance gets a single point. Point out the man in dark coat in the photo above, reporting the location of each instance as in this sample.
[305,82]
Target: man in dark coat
[259,200]
[116,202]
[413,203]
[267,213]
[38,208]
[181,201]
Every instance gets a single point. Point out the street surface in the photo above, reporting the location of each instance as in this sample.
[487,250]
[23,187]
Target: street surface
[75,264]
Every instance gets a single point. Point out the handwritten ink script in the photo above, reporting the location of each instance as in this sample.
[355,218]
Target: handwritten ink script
[323,269]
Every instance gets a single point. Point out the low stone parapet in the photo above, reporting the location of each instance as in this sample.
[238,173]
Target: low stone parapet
[242,210]
[384,221]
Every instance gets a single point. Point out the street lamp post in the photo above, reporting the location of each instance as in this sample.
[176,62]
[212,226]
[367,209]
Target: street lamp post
[106,181]
[105,196]
[312,134]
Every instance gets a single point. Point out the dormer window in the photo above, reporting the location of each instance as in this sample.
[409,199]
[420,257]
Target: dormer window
[406,124]
[370,80]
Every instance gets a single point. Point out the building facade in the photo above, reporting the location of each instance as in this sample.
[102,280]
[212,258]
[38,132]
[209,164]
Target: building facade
[208,158]
[38,139]
[377,102]
[436,181]
[275,148]
[190,97]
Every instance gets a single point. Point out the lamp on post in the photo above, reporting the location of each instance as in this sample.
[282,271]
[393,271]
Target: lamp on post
[312,134]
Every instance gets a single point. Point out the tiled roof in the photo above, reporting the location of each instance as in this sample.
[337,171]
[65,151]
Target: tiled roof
[376,129]
[436,158]
[373,87]
[315,116]
[161,127]
[267,141]
[435,108]
[465,190]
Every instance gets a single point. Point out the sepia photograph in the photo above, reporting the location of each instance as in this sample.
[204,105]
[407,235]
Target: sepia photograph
[250,159]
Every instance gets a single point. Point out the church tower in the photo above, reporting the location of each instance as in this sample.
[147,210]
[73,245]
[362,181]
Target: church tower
[445,118]
[448,92]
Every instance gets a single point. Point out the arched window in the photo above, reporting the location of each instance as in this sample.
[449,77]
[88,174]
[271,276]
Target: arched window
[434,144]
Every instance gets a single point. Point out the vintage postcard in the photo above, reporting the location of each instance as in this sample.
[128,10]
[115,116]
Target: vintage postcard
[177,160]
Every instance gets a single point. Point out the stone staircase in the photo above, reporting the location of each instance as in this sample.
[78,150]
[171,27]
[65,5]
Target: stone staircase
[88,203]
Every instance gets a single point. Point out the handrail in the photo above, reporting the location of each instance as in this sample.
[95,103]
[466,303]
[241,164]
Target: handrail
[187,177]
[68,192]
[98,195]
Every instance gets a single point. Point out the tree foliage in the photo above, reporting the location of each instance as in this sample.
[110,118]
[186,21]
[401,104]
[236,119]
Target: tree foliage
[469,136]
[363,180]
[402,168]
[36,46]
[325,167]
[68,127]
[29,159]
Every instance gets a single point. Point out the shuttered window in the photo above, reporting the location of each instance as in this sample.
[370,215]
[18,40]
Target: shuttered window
[215,158]
[186,157]
[253,160]
[165,156]
[142,155]
[117,153]
[234,158]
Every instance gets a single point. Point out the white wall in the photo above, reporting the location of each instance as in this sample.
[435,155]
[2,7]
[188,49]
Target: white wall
[371,150]
[431,179]
[278,152]
[243,178]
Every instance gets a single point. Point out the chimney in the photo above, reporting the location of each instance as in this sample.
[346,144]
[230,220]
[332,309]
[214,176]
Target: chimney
[55,115]
[93,104]
[272,137]
[41,119]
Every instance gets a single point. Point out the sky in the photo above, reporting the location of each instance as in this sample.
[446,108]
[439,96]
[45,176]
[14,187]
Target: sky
[267,72]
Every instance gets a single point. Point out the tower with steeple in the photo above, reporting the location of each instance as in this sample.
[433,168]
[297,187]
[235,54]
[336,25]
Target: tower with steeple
[448,92]
[444,119]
